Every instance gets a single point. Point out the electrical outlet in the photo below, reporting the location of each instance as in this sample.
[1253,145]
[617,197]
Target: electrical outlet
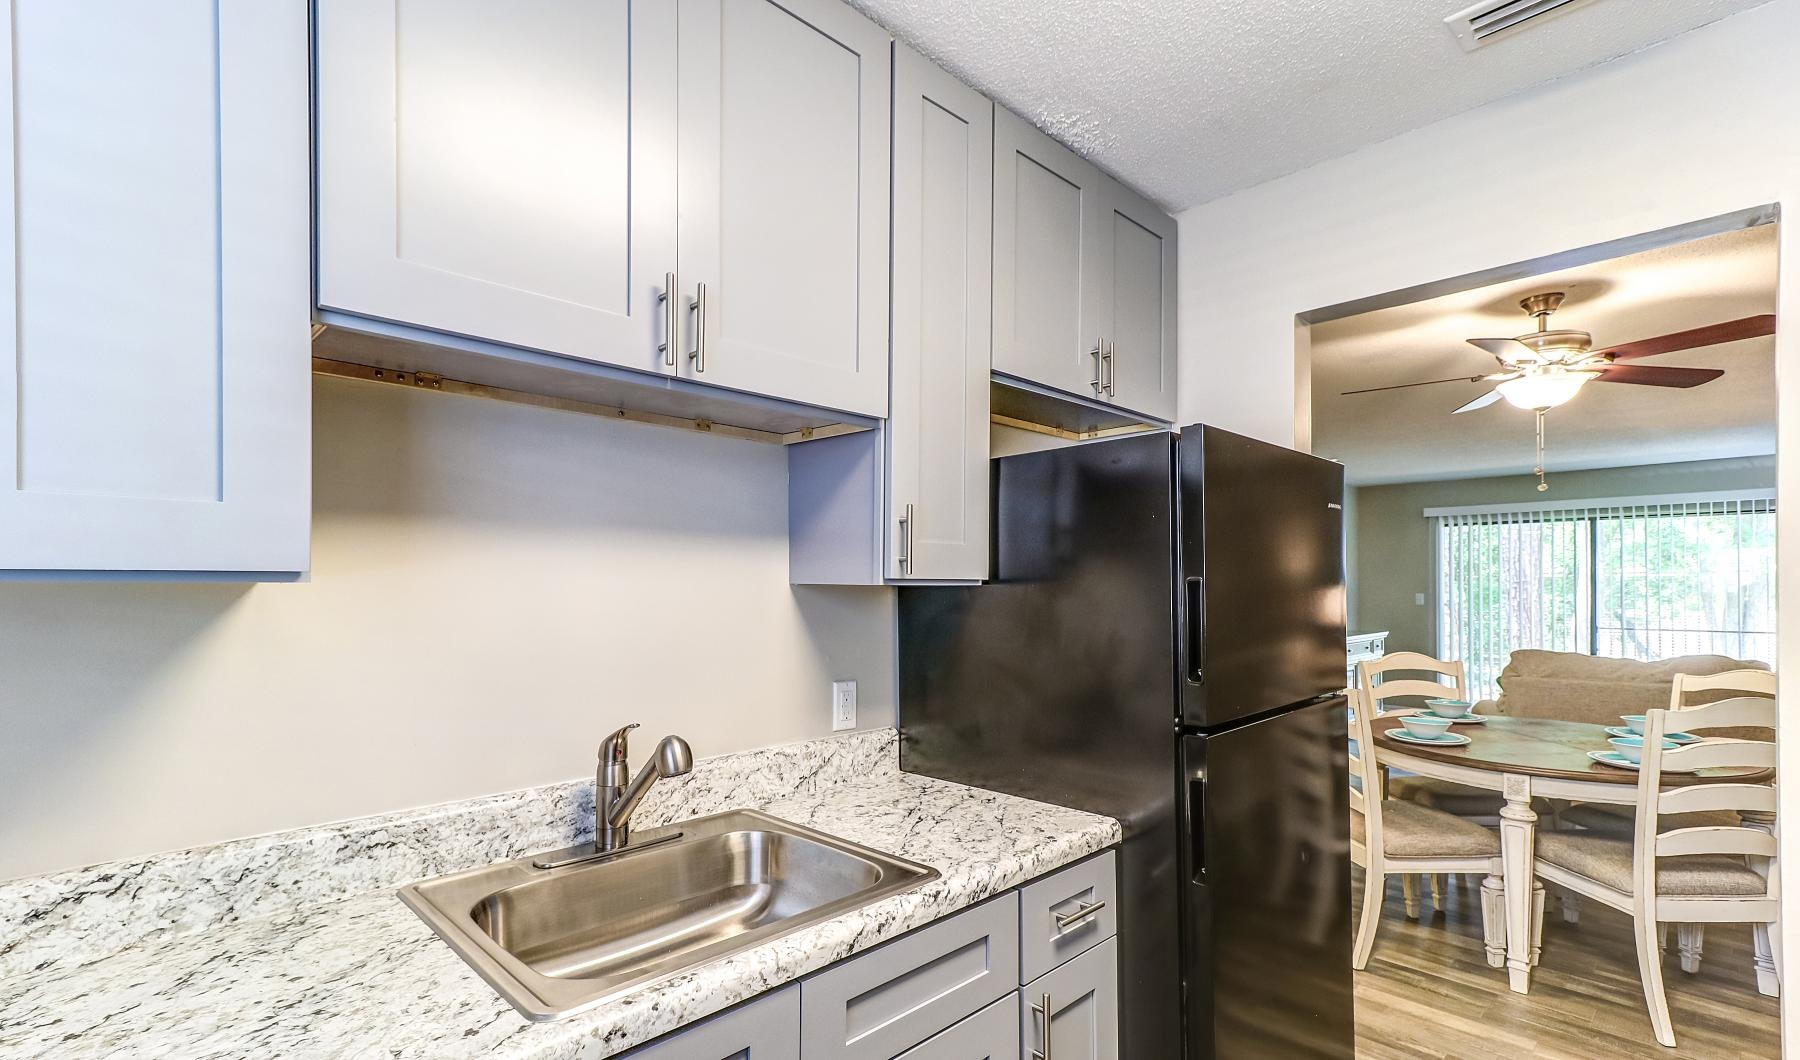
[843,705]
[1419,598]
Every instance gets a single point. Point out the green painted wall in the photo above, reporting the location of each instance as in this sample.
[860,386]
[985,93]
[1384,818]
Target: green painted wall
[1388,538]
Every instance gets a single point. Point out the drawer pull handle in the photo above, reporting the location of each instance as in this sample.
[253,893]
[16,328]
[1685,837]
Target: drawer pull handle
[1042,1009]
[1065,921]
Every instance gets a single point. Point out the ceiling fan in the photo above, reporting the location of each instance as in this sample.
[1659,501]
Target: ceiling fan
[1545,368]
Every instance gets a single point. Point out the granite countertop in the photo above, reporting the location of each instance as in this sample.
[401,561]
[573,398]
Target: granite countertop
[299,947]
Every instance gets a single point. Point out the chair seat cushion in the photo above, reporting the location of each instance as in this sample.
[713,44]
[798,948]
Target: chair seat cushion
[1409,830]
[1606,859]
[1620,820]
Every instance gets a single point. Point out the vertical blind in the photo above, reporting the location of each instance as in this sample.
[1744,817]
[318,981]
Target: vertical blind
[1638,578]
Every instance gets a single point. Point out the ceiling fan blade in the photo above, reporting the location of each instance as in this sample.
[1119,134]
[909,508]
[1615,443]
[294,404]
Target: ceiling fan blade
[1481,402]
[1657,375]
[1506,351]
[1711,335]
[1425,382]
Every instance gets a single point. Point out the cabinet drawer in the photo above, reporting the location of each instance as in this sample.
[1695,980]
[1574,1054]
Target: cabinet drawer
[766,1029]
[991,1034]
[1066,914]
[1073,1013]
[874,1006]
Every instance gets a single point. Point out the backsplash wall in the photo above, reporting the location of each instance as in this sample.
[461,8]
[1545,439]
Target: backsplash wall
[493,589]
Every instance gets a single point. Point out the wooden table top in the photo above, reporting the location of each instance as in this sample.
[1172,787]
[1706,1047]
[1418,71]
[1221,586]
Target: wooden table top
[1543,747]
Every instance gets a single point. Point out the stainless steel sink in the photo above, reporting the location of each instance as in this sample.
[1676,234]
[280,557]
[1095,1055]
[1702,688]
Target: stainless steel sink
[555,941]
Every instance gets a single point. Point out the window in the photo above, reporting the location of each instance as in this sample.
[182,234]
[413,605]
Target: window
[1636,578]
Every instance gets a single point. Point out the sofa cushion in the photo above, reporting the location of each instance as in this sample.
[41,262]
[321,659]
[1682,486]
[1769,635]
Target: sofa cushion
[1575,687]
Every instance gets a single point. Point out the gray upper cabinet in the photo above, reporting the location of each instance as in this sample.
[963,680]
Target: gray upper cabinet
[504,172]
[1072,1013]
[1084,277]
[783,128]
[1135,304]
[937,430]
[155,409]
[1045,216]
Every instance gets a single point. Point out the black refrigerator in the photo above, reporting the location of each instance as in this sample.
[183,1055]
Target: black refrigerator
[1162,641]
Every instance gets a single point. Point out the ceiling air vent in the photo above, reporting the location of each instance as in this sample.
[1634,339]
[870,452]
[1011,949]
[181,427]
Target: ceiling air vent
[1487,22]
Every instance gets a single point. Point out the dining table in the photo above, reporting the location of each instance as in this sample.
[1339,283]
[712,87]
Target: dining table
[1525,759]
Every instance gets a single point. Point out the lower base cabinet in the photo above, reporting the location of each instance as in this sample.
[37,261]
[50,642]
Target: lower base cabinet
[991,1034]
[1072,1013]
[950,990]
[765,1029]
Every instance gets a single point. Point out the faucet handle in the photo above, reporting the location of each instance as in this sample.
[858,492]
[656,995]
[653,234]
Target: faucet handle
[614,748]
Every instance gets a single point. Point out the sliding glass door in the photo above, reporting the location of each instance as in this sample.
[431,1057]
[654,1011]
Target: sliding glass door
[1639,578]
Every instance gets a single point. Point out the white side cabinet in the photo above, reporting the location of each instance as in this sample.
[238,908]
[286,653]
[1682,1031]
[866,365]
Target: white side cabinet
[937,432]
[155,415]
[783,130]
[503,172]
[1084,277]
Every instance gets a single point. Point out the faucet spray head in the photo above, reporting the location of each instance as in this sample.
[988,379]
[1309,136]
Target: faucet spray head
[673,757]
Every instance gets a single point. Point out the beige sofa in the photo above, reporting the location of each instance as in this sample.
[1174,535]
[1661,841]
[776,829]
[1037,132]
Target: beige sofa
[1573,687]
[1570,687]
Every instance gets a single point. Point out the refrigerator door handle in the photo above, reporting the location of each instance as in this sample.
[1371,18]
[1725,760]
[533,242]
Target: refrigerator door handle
[1196,822]
[1194,665]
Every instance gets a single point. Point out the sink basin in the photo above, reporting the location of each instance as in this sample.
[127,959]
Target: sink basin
[555,941]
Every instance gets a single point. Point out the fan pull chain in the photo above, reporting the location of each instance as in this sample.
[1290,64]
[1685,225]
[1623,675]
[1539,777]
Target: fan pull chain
[1539,469]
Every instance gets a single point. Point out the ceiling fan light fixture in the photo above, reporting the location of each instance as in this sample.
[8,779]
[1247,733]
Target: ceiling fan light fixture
[1537,391]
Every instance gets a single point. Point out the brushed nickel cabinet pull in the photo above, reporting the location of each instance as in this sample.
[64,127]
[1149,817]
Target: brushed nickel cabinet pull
[1065,921]
[698,306]
[1108,361]
[667,300]
[1042,1009]
[906,535]
[1099,355]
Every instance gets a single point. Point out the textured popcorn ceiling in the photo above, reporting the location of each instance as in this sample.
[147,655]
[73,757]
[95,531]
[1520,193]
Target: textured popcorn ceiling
[1411,436]
[1190,100]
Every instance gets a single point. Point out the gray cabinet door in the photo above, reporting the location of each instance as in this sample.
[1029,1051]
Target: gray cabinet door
[1135,304]
[765,1029]
[1072,1013]
[156,403]
[1046,214]
[876,1005]
[783,190]
[991,1034]
[501,171]
[937,428]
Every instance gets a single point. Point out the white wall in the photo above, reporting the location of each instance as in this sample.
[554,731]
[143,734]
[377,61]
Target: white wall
[494,588]
[1705,125]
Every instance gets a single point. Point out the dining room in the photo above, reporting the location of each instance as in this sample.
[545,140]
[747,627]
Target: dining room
[1562,608]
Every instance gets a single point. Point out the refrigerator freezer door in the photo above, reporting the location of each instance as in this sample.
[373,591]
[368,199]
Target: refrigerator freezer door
[1262,600]
[1056,681]
[1266,888]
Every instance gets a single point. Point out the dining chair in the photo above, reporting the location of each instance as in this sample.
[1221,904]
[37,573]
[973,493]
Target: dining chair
[1685,692]
[1390,837]
[1391,677]
[1692,875]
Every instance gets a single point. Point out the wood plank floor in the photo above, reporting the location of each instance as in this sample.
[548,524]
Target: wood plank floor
[1428,991]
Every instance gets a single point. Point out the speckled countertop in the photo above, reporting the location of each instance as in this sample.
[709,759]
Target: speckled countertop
[294,945]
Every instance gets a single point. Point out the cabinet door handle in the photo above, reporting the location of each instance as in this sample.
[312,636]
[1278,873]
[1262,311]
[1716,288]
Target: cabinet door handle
[1042,1009]
[1108,361]
[906,533]
[698,305]
[667,300]
[1065,921]
[1099,354]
